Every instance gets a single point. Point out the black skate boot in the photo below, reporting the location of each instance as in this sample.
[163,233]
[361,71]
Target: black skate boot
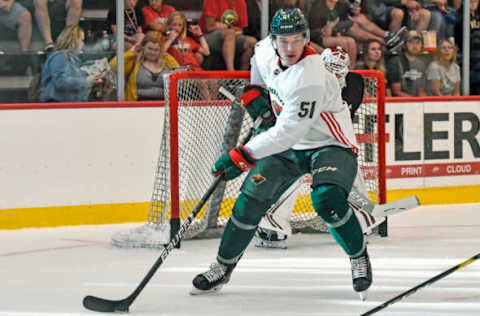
[212,280]
[361,274]
[267,238]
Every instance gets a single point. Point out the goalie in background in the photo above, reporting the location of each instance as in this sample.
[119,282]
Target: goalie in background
[312,134]
[274,228]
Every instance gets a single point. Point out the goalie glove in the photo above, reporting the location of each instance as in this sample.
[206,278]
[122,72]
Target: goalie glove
[256,100]
[232,164]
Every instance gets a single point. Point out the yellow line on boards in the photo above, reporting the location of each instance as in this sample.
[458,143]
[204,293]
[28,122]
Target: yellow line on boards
[73,215]
[114,213]
[440,195]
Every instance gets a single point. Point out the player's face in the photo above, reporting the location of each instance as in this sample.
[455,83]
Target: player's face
[290,48]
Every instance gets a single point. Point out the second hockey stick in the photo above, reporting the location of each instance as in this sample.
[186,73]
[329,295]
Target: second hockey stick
[426,283]
[110,306]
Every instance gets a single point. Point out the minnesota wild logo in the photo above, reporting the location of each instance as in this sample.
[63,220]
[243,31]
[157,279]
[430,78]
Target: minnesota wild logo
[258,179]
[277,107]
[229,17]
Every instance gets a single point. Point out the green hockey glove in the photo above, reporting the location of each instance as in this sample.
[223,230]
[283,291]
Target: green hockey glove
[232,164]
[256,100]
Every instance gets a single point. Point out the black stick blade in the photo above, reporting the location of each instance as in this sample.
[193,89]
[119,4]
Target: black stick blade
[105,306]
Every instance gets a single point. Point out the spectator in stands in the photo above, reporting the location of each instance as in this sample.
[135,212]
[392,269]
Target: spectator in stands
[222,22]
[187,51]
[474,43]
[456,4]
[156,14]
[373,59]
[418,18]
[145,66]
[329,25]
[386,14]
[406,72]
[133,32]
[254,13]
[392,14]
[62,80]
[14,16]
[74,11]
[443,17]
[443,73]
[365,30]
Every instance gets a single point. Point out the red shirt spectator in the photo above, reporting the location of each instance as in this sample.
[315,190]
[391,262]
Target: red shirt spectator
[184,52]
[217,8]
[156,15]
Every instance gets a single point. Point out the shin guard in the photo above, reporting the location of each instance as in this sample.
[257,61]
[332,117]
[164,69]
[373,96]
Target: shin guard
[240,229]
[330,202]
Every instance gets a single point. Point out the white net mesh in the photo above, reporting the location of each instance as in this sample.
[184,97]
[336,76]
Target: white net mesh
[200,124]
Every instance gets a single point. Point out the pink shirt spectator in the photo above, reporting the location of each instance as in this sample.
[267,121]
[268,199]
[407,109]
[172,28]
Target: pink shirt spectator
[152,15]
[216,9]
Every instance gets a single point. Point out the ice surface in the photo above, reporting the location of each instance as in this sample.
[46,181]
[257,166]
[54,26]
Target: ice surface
[49,271]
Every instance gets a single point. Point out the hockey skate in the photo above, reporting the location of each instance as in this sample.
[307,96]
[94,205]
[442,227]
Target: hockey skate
[361,274]
[267,238]
[212,280]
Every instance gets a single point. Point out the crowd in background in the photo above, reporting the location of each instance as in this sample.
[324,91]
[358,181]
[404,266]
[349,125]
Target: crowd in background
[414,43]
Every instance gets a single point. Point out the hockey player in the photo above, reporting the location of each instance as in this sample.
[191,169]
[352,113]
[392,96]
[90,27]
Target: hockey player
[313,133]
[274,228]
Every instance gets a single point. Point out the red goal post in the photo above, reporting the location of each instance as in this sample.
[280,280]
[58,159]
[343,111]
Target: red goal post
[200,124]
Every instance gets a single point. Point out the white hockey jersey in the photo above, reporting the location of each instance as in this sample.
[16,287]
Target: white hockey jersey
[307,102]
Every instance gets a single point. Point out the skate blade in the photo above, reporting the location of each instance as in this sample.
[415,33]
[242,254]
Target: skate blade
[363,295]
[195,291]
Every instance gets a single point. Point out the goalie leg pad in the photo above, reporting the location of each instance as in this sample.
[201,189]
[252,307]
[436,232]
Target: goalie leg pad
[331,205]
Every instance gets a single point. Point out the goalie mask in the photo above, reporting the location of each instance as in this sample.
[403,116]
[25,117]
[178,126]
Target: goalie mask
[337,61]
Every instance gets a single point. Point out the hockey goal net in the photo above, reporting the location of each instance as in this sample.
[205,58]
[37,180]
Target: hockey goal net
[201,123]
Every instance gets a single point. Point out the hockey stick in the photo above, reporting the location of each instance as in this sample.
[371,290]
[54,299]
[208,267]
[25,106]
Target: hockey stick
[109,306]
[380,210]
[363,202]
[426,283]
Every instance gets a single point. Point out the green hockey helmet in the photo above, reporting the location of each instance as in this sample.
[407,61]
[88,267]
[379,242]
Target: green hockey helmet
[288,21]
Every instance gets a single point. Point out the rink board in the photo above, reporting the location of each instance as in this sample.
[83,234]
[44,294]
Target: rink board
[94,163]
